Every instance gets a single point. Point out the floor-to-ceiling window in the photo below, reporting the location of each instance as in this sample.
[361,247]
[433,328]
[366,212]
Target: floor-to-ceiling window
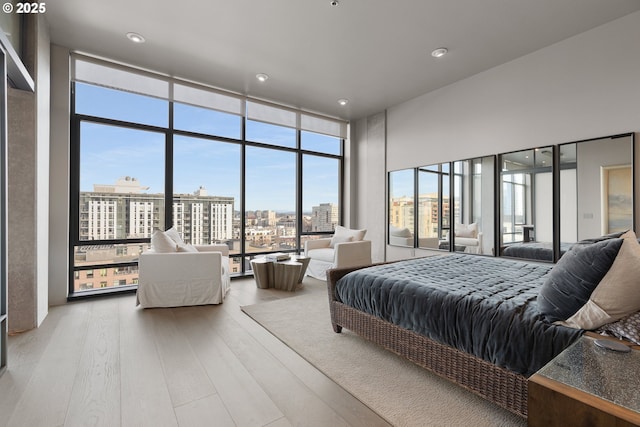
[149,152]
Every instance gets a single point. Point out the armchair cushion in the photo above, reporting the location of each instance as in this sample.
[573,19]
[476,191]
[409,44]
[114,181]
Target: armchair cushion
[467,241]
[222,248]
[186,247]
[322,254]
[162,243]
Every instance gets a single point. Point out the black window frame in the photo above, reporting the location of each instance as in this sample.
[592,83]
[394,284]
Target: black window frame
[77,119]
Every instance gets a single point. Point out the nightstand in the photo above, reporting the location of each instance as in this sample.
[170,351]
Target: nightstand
[586,385]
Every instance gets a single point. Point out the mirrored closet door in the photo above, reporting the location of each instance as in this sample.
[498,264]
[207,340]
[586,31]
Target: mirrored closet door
[596,188]
[401,208]
[526,204]
[530,204]
[434,217]
[473,205]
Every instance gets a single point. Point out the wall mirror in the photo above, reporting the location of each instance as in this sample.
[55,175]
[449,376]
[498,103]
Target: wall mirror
[457,206]
[596,188]
[434,219]
[526,204]
[473,206]
[401,207]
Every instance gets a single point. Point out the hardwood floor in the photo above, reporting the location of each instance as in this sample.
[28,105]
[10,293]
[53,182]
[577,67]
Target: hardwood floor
[105,362]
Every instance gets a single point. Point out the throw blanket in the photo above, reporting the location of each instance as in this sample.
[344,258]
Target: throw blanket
[542,251]
[483,306]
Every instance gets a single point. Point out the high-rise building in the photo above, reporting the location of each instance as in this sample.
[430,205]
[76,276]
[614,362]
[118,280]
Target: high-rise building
[324,217]
[123,211]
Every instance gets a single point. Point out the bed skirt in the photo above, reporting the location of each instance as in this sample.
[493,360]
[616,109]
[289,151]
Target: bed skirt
[501,386]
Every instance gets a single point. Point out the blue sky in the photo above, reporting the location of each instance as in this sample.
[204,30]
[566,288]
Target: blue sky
[402,183]
[110,152]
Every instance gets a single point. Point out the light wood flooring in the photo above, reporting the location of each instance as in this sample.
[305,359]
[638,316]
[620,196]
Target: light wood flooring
[105,362]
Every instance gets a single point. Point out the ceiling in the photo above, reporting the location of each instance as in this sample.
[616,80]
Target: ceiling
[374,53]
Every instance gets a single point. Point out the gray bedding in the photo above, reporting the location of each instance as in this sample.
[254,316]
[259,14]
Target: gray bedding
[483,306]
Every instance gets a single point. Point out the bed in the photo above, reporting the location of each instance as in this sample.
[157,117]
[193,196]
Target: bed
[420,309]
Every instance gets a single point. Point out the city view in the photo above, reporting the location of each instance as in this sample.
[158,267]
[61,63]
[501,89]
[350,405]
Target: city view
[252,175]
[125,210]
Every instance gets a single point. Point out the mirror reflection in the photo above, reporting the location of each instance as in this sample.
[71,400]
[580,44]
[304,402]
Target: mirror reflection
[596,188]
[473,205]
[526,213]
[456,202]
[401,207]
[433,206]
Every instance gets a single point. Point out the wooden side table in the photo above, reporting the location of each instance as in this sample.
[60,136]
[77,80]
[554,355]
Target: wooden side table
[586,385]
[284,275]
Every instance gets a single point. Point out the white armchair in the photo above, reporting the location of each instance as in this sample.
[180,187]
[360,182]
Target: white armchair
[469,236]
[196,275]
[345,249]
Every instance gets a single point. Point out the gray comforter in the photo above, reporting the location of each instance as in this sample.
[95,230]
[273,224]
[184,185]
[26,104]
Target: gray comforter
[482,306]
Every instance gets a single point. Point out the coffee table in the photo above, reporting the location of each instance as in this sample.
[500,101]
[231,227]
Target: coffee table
[284,275]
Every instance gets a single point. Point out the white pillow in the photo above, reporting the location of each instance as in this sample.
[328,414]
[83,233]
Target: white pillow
[162,243]
[339,239]
[341,233]
[357,234]
[399,232]
[174,235]
[186,247]
[470,230]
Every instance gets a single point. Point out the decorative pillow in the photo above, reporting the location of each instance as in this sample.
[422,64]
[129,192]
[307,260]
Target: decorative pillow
[342,232]
[185,247]
[627,328]
[618,293]
[175,236]
[162,243]
[470,230]
[399,232]
[339,239]
[571,281]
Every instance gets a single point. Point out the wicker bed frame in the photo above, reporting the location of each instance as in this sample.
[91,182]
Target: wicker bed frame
[499,385]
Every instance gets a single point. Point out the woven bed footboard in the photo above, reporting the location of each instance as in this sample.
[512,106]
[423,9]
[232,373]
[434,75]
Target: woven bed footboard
[501,386]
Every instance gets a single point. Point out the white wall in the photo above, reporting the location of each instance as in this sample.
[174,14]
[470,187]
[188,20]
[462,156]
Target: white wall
[370,160]
[568,206]
[584,87]
[59,177]
[42,179]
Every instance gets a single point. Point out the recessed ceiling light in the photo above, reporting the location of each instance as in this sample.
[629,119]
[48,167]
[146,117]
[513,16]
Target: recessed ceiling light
[135,37]
[334,3]
[439,52]
[343,101]
[262,77]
